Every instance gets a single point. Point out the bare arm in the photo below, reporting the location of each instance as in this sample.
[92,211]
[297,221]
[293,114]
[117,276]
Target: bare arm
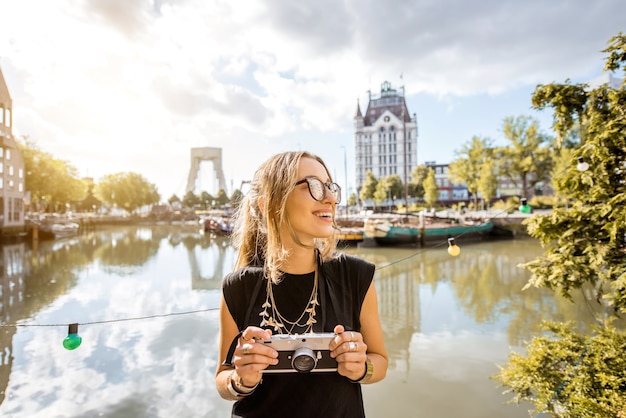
[249,358]
[352,349]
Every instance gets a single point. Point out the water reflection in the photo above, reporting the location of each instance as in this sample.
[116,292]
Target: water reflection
[447,322]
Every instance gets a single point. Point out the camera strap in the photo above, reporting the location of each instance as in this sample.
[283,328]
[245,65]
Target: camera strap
[228,361]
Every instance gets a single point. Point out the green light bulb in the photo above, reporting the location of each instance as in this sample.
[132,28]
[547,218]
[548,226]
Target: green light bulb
[73,340]
[525,207]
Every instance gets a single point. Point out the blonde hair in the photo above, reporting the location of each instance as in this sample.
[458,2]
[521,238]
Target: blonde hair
[256,231]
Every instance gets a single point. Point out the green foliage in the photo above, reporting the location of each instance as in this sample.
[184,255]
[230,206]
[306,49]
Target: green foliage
[381,193]
[52,183]
[128,191]
[468,166]
[173,199]
[222,198]
[585,241]
[570,375]
[190,200]
[206,200]
[395,186]
[352,199]
[585,246]
[488,180]
[431,193]
[369,186]
[527,159]
[416,185]
[544,202]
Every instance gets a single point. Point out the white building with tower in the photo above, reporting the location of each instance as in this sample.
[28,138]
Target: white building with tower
[385,136]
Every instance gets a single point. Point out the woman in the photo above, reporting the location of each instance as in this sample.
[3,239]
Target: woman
[289,280]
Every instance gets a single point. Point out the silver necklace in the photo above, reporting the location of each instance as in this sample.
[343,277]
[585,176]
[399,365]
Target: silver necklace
[273,318]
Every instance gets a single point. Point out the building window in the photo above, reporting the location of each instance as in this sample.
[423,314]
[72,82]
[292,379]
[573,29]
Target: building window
[8,154]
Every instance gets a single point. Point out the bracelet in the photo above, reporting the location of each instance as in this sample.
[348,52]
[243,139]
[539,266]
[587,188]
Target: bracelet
[369,371]
[237,388]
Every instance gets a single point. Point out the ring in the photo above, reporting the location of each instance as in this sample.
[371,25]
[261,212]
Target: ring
[352,346]
[351,336]
[246,348]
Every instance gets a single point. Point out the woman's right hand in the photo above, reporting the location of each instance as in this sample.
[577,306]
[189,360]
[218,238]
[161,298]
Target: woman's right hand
[251,357]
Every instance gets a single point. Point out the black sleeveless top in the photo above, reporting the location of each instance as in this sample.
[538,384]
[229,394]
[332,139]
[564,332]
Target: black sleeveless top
[343,283]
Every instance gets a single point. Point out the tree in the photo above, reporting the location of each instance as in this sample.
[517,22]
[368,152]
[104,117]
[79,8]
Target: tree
[173,200]
[52,183]
[527,158]
[488,181]
[395,186]
[369,187]
[431,193]
[352,199]
[585,246]
[206,200]
[382,192]
[467,168]
[90,203]
[222,198]
[190,200]
[128,191]
[416,186]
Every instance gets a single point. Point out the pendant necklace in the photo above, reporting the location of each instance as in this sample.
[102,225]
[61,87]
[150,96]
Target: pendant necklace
[273,318]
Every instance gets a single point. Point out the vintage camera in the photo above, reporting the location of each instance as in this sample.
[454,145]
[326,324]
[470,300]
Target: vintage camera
[302,353]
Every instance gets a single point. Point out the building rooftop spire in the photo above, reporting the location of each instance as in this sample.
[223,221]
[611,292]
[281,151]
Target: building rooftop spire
[358,110]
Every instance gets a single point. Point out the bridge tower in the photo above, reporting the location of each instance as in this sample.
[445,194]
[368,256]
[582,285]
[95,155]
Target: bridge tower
[198,155]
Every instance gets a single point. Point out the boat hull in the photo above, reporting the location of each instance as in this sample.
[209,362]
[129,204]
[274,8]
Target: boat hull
[393,235]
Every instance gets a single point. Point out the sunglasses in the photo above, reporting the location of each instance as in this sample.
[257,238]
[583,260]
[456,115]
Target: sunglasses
[317,189]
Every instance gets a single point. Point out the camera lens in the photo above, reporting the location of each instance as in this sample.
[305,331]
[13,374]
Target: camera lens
[303,360]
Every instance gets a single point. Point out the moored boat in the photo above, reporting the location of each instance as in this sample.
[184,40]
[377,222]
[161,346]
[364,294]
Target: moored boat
[218,225]
[390,232]
[350,235]
[57,230]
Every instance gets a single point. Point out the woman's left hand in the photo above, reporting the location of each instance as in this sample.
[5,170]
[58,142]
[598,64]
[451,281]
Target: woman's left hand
[350,351]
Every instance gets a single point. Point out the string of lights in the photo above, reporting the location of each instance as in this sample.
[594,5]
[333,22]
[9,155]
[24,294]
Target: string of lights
[73,339]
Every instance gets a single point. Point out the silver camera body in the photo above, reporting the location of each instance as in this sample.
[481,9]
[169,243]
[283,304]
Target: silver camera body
[302,353]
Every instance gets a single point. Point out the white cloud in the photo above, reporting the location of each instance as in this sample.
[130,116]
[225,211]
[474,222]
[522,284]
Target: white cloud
[117,85]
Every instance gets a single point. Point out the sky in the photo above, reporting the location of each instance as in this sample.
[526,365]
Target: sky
[133,85]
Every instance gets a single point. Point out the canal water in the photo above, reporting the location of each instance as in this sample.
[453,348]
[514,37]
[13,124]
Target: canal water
[146,300]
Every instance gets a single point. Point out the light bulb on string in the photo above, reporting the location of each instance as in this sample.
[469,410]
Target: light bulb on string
[524,206]
[453,249]
[582,165]
[73,340]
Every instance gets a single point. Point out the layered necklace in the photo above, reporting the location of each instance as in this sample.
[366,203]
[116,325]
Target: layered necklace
[273,318]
